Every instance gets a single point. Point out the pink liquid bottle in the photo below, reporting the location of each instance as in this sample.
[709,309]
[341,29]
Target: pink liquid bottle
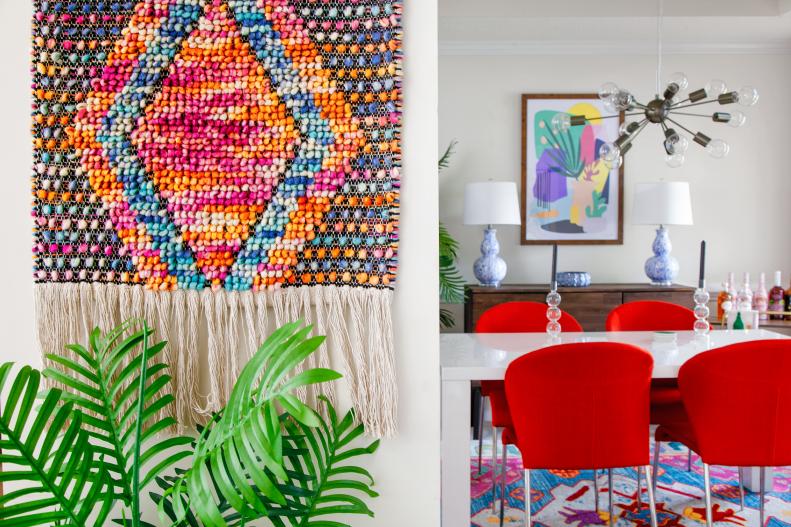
[761,298]
[777,297]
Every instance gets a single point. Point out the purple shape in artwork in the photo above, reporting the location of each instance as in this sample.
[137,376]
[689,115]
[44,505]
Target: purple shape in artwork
[550,184]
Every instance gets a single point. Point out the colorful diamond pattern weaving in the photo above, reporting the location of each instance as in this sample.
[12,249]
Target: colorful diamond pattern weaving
[221,145]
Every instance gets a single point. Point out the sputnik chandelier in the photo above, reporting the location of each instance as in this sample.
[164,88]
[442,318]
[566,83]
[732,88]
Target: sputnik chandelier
[665,110]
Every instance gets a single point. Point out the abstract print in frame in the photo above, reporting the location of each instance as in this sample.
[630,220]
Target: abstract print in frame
[221,167]
[569,194]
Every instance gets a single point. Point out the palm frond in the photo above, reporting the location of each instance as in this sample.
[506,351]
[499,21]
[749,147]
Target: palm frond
[119,385]
[320,477]
[451,283]
[446,318]
[64,479]
[444,160]
[241,452]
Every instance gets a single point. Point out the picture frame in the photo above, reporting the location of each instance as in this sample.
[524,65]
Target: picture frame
[569,195]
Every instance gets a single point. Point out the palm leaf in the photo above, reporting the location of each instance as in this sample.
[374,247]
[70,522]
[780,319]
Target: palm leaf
[451,283]
[240,453]
[120,386]
[444,161]
[64,481]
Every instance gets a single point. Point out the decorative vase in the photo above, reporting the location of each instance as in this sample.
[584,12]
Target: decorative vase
[490,269]
[662,268]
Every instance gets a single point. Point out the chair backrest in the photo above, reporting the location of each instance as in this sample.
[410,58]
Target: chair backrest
[650,315]
[738,399]
[521,317]
[581,405]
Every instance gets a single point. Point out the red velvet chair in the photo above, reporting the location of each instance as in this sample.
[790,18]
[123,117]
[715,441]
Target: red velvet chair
[509,317]
[580,406]
[652,315]
[751,380]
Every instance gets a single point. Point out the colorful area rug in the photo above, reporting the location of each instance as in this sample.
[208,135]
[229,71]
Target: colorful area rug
[565,497]
[220,167]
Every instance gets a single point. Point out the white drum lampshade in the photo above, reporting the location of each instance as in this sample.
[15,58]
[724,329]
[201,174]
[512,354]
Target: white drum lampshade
[662,203]
[491,203]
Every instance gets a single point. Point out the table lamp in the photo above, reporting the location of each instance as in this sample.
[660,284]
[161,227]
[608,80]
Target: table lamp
[490,203]
[662,203]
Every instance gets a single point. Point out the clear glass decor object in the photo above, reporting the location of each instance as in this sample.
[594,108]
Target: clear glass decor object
[553,314]
[701,297]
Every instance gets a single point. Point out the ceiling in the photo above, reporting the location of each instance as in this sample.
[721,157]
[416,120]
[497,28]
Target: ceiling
[629,26]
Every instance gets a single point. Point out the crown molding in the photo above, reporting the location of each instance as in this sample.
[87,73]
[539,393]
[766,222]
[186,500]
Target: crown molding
[605,47]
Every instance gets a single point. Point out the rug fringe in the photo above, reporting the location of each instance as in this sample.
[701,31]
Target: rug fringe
[229,326]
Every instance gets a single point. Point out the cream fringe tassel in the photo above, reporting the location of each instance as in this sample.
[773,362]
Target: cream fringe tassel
[212,334]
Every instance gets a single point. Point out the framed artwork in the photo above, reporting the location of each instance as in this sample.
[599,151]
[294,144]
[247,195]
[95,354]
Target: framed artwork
[569,194]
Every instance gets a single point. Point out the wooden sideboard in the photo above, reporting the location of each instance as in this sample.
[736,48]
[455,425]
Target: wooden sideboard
[589,305]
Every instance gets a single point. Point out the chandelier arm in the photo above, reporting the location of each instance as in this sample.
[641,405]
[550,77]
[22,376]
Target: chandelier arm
[694,104]
[634,134]
[611,116]
[692,114]
[690,132]
[679,102]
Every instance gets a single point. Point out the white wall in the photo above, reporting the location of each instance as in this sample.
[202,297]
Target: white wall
[740,204]
[407,467]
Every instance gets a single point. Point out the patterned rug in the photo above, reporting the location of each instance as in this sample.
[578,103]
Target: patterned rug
[565,497]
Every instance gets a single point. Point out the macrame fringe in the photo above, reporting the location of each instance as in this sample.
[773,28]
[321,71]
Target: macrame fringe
[214,333]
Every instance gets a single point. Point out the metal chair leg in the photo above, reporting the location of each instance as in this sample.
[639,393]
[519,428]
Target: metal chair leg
[651,499]
[596,489]
[707,493]
[528,500]
[480,434]
[655,472]
[741,488]
[639,487]
[762,488]
[610,507]
[502,484]
[689,460]
[494,469]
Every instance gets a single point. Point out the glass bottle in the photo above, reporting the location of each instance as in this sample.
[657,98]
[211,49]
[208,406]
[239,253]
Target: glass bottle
[788,302]
[744,298]
[725,298]
[761,298]
[777,297]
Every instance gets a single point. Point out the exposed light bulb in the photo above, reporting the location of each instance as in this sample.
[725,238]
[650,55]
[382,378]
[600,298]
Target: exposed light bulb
[561,122]
[716,87]
[718,149]
[610,154]
[748,96]
[607,90]
[738,119]
[623,100]
[680,80]
[675,160]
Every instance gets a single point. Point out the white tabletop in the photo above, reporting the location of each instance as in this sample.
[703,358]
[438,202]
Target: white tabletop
[485,356]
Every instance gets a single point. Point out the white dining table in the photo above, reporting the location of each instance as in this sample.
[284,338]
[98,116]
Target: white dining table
[469,357]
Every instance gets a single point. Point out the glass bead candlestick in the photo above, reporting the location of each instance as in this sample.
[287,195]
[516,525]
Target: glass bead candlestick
[701,298]
[553,312]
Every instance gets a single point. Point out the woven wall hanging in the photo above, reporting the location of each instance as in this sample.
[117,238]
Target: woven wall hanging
[220,167]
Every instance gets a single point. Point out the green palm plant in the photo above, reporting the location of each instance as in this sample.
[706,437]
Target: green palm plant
[65,480]
[451,283]
[255,459]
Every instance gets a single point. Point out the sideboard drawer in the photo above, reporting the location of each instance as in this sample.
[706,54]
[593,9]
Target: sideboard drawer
[681,298]
[590,309]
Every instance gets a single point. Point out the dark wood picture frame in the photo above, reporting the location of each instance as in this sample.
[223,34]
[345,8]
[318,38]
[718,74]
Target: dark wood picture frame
[523,204]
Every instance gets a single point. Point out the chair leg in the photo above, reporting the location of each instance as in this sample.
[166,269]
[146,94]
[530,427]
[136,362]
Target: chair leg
[689,460]
[528,500]
[639,487]
[596,489]
[741,488]
[502,484]
[480,434]
[494,469]
[655,472]
[651,498]
[762,488]
[707,493]
[610,506]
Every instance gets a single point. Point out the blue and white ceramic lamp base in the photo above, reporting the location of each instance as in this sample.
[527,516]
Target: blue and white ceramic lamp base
[661,268]
[490,269]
